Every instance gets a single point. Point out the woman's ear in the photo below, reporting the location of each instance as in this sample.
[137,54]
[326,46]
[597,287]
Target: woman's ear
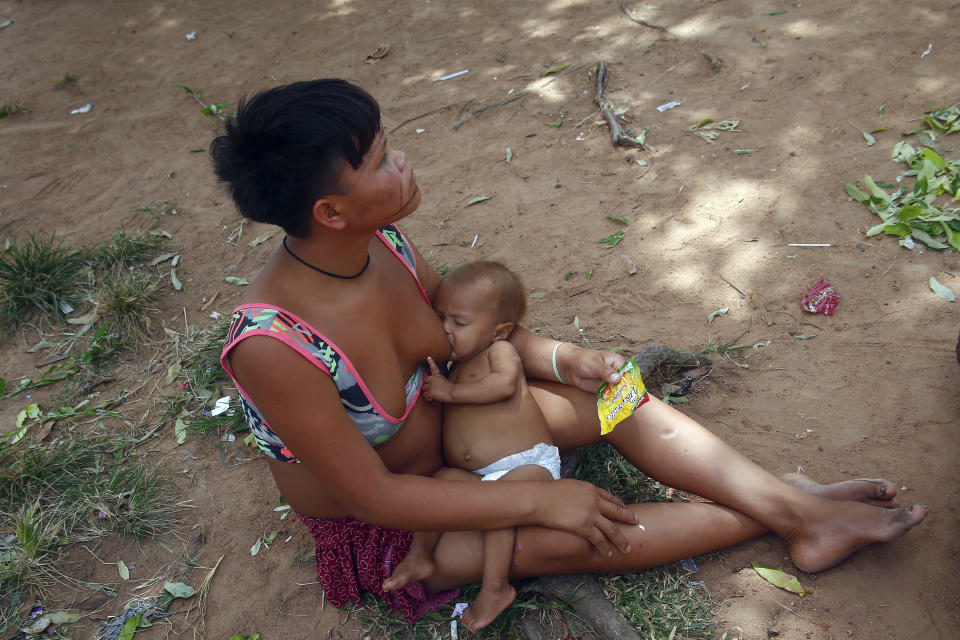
[503,330]
[325,214]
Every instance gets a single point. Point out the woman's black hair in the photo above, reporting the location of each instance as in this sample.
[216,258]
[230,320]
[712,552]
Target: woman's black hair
[287,146]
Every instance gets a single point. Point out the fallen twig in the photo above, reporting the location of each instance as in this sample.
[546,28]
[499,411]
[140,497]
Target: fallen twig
[516,96]
[606,109]
[424,115]
[498,103]
[632,16]
[582,291]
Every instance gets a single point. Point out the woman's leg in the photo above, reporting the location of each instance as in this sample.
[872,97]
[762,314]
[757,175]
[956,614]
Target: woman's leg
[668,531]
[677,451]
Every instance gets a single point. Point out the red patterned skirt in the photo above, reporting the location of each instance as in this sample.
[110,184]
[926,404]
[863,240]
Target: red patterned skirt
[354,556]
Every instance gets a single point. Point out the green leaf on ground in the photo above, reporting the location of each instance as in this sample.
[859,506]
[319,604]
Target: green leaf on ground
[473,201]
[804,336]
[555,69]
[717,313]
[180,431]
[744,152]
[175,280]
[941,290]
[130,628]
[236,281]
[179,589]
[124,571]
[263,237]
[779,578]
[172,372]
[555,125]
[65,617]
[613,239]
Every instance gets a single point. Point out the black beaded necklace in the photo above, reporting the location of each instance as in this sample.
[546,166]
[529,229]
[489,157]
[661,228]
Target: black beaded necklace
[326,273]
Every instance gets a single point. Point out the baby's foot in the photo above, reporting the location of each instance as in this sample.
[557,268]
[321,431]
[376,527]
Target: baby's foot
[412,568]
[489,604]
[879,493]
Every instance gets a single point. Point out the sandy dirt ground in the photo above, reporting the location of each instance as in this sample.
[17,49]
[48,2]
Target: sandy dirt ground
[873,394]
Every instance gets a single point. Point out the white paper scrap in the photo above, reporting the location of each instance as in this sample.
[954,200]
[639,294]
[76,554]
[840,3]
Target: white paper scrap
[451,75]
[220,406]
[668,105]
[192,35]
[459,608]
[927,52]
[84,109]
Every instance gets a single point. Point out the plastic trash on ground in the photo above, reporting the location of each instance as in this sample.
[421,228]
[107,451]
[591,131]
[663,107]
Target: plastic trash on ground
[820,298]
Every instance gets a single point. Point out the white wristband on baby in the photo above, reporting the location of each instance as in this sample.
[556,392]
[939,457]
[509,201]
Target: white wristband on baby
[556,371]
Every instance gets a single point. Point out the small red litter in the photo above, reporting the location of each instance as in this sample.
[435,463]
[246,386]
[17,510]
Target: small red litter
[820,298]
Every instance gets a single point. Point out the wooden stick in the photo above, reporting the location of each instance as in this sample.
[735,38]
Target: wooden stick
[424,115]
[632,16]
[606,109]
[516,96]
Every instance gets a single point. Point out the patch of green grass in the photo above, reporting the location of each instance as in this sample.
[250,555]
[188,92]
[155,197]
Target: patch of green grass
[125,302]
[656,600]
[11,107]
[380,621]
[64,80]
[77,487]
[203,360]
[160,209]
[40,274]
[124,250]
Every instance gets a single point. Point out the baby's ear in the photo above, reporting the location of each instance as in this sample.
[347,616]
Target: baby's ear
[503,330]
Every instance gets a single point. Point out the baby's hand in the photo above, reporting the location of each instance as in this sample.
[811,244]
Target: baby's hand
[436,387]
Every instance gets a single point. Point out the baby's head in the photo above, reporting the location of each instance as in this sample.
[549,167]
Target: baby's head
[479,303]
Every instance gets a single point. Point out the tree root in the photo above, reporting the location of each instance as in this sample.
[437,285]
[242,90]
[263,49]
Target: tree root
[582,592]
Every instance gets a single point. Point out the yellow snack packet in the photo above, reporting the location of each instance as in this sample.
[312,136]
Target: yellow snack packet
[616,402]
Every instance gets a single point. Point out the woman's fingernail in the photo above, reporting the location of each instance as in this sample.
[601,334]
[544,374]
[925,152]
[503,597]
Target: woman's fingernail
[609,553]
[629,548]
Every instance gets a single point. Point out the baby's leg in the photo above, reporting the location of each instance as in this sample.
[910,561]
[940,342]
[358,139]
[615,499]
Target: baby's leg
[418,564]
[496,594]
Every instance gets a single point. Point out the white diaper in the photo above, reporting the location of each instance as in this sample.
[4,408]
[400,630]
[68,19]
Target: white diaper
[543,454]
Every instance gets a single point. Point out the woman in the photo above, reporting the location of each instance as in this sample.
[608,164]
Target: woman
[329,353]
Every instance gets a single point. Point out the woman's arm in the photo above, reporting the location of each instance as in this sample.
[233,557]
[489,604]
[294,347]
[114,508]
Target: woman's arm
[304,408]
[582,368]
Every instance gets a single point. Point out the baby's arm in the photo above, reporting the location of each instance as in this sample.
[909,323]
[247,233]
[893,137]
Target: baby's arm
[499,384]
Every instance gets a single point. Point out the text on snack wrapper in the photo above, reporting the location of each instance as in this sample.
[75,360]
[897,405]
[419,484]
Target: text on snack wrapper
[634,393]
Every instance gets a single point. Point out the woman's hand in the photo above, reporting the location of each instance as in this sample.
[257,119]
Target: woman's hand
[587,368]
[587,511]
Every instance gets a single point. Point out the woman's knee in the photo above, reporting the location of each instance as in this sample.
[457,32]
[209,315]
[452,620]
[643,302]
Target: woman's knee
[540,551]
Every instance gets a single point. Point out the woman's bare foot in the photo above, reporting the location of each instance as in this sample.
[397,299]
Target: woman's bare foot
[415,566]
[879,493]
[844,527]
[490,602]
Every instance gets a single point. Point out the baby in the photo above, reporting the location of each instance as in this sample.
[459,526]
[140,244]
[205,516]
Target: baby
[492,426]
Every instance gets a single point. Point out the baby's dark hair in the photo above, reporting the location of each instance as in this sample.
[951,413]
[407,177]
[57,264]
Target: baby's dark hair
[510,298]
[287,146]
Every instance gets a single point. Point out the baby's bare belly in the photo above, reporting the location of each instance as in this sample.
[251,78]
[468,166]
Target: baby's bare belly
[475,436]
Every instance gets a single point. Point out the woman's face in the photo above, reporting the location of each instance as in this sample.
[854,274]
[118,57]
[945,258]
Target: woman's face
[382,190]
